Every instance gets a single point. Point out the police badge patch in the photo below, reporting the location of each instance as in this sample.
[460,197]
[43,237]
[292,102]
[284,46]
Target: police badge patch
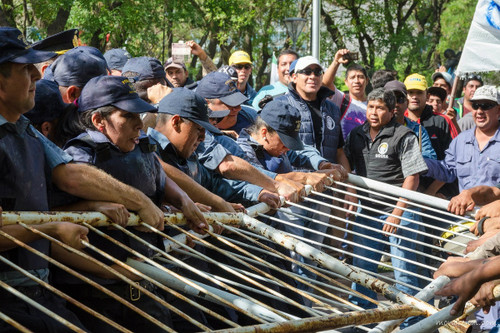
[330,124]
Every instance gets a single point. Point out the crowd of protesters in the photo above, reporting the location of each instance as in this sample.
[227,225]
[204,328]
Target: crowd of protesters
[81,130]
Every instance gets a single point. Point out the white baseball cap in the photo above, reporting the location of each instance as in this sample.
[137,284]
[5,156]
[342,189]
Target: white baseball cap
[306,61]
[489,93]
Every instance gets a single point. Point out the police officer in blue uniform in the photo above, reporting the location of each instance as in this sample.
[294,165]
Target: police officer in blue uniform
[177,147]
[29,164]
[113,141]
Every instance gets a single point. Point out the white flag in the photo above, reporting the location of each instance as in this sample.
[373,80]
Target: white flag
[482,47]
[274,70]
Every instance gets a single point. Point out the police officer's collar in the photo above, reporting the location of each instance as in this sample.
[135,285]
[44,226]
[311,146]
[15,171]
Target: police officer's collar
[161,139]
[20,125]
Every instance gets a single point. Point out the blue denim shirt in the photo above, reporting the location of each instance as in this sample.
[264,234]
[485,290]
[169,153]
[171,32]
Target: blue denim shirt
[427,150]
[467,163]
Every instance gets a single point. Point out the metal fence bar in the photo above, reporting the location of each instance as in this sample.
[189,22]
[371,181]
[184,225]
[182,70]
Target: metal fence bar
[425,294]
[431,323]
[378,230]
[352,243]
[424,201]
[291,301]
[43,309]
[311,242]
[74,273]
[14,323]
[339,302]
[162,286]
[406,209]
[329,262]
[243,303]
[100,220]
[313,269]
[290,274]
[379,212]
[368,259]
[332,321]
[206,276]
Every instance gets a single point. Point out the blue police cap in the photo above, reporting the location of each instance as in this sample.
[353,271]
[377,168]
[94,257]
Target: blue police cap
[77,66]
[285,120]
[220,85]
[116,58]
[229,70]
[116,91]
[14,48]
[187,104]
[59,43]
[147,67]
[48,103]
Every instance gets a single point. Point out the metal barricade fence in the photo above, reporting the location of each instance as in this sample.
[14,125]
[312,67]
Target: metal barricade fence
[280,282]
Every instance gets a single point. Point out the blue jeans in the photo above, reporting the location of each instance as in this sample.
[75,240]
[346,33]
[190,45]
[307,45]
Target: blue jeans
[396,263]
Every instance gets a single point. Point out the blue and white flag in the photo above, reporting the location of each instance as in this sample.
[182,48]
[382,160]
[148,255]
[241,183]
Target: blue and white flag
[482,47]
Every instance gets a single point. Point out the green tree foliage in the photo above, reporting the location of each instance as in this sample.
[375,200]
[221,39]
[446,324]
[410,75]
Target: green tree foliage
[406,35]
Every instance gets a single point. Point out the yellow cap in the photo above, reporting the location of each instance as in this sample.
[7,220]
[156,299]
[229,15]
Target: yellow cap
[415,81]
[239,57]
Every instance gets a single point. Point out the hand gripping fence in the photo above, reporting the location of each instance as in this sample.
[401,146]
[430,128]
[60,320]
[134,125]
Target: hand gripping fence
[277,269]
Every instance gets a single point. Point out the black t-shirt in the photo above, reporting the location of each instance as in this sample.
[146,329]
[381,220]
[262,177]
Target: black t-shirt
[314,107]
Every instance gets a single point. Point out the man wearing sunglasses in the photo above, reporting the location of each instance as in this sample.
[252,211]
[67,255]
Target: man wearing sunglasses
[240,60]
[320,118]
[474,156]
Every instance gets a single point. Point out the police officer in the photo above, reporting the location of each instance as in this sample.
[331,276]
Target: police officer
[109,109]
[75,68]
[181,126]
[29,163]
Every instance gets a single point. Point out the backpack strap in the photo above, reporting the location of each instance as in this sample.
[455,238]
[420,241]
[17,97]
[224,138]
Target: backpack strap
[346,102]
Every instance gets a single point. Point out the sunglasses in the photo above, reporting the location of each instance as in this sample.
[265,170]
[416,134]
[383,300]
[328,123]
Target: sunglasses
[308,71]
[241,66]
[483,106]
[400,99]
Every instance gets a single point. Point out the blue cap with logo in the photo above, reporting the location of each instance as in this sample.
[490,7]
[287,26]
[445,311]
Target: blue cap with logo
[285,120]
[220,85]
[14,48]
[116,91]
[48,103]
[116,58]
[187,104]
[77,66]
[147,67]
[229,70]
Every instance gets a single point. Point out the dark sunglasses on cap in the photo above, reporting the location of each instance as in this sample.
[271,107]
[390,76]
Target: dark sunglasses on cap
[483,106]
[309,71]
[241,66]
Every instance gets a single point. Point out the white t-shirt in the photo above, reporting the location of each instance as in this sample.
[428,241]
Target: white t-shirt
[355,114]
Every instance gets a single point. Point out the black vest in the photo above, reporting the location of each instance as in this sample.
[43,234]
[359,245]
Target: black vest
[23,186]
[139,169]
[378,160]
